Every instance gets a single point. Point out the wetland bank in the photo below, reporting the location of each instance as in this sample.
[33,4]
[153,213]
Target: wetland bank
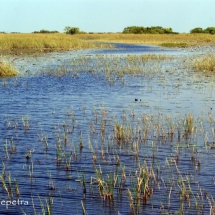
[121,130]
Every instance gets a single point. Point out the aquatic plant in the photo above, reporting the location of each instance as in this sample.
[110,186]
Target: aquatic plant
[205,63]
[6,69]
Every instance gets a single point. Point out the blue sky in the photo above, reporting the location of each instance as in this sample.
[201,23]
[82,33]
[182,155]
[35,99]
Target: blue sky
[104,15]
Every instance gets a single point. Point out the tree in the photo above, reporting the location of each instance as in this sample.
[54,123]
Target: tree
[147,30]
[71,30]
[43,31]
[210,30]
[197,31]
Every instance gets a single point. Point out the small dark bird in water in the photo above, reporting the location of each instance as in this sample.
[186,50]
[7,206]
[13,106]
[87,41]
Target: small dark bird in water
[135,100]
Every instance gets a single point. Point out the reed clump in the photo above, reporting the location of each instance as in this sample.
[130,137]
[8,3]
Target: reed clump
[6,69]
[206,63]
[111,66]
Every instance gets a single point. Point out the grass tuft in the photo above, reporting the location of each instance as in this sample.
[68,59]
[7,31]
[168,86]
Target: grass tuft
[205,63]
[6,69]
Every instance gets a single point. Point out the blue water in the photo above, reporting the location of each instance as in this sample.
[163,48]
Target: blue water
[35,106]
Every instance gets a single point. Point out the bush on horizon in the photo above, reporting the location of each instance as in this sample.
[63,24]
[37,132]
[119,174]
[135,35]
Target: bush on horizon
[147,30]
[209,30]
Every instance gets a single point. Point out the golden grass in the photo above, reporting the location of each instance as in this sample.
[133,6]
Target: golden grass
[205,63]
[6,69]
[44,42]
[37,43]
[154,39]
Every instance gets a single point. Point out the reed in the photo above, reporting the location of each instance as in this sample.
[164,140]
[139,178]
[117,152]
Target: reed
[68,161]
[6,150]
[31,169]
[156,39]
[39,43]
[59,153]
[146,135]
[205,63]
[84,185]
[6,69]
[51,184]
[12,146]
[83,208]
[16,186]
[47,208]
[112,67]
[188,124]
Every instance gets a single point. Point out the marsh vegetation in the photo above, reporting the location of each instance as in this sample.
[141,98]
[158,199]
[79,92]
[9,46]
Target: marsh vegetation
[153,39]
[6,69]
[18,44]
[113,131]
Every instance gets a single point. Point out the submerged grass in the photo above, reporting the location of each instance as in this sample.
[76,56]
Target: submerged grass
[149,175]
[151,156]
[6,69]
[113,67]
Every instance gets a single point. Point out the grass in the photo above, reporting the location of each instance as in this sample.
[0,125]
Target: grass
[31,43]
[113,67]
[153,39]
[7,69]
[142,180]
[36,43]
[205,63]
[124,143]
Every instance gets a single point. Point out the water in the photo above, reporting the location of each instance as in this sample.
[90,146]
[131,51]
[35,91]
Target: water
[35,107]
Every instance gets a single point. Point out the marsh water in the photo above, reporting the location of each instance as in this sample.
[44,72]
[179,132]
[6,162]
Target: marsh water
[58,133]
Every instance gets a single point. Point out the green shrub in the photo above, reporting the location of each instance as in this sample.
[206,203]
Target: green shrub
[209,30]
[197,31]
[45,32]
[179,45]
[147,30]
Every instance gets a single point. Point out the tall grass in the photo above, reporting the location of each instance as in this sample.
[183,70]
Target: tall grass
[6,69]
[156,39]
[44,42]
[55,42]
[205,63]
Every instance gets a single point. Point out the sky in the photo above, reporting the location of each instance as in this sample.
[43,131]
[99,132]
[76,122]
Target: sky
[26,16]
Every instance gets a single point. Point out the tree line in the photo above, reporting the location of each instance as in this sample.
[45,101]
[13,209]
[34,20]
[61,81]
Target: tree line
[209,30]
[128,30]
[147,30]
[43,31]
